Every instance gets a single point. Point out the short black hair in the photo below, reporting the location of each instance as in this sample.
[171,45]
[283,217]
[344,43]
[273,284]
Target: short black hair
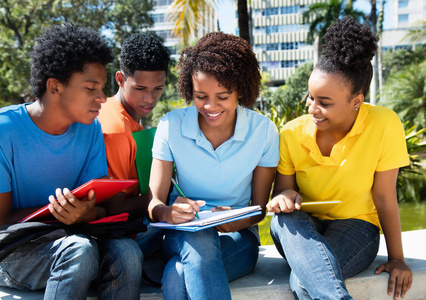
[229,58]
[348,50]
[143,52]
[64,50]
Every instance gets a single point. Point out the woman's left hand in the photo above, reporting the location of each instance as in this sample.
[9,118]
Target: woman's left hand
[400,277]
[227,227]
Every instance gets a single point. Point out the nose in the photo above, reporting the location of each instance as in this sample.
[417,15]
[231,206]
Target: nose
[101,97]
[312,107]
[209,104]
[149,97]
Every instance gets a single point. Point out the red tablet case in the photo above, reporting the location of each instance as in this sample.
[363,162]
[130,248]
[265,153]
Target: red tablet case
[104,188]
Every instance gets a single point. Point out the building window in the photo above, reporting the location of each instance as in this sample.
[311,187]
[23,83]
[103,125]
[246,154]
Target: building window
[402,3]
[272,29]
[403,18]
[267,65]
[290,63]
[272,47]
[289,9]
[270,11]
[158,18]
[163,2]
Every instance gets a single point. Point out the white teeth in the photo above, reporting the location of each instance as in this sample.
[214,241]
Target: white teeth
[318,120]
[213,115]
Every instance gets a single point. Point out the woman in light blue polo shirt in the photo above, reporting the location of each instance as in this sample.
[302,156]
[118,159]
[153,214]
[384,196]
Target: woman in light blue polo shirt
[225,156]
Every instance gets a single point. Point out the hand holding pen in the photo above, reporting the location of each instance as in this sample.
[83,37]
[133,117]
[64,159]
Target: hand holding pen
[181,193]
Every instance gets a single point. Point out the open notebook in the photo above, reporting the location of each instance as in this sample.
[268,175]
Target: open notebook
[210,219]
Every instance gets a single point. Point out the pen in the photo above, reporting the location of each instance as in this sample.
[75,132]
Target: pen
[181,192]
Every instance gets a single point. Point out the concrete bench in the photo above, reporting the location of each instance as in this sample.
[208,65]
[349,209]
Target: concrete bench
[269,280]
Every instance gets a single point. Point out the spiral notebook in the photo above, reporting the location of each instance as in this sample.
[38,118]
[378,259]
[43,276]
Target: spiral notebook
[212,218]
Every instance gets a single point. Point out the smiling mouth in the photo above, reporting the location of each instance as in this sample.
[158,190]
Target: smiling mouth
[213,115]
[316,120]
[147,108]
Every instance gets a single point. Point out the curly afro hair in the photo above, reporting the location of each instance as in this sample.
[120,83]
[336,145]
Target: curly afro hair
[143,52]
[64,50]
[229,59]
[348,50]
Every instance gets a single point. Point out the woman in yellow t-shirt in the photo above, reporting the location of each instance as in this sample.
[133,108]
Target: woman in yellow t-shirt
[344,150]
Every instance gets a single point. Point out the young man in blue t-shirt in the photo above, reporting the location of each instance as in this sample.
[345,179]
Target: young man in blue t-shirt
[50,147]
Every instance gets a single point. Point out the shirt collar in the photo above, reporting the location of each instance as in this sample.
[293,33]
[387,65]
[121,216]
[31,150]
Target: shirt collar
[309,135]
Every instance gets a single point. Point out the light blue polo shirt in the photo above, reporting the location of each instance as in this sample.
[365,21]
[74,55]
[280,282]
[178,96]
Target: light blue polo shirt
[222,176]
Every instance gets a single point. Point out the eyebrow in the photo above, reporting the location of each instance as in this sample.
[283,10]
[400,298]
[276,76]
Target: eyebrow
[92,81]
[321,97]
[229,93]
[144,86]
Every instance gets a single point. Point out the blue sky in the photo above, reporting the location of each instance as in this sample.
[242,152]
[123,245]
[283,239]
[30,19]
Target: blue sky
[226,8]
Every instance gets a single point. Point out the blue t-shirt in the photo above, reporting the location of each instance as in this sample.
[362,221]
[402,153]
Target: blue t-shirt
[34,163]
[222,176]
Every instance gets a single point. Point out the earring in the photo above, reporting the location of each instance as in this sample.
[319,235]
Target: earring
[356,108]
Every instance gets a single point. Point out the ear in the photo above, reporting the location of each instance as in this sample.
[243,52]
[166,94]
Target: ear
[53,86]
[119,77]
[357,100]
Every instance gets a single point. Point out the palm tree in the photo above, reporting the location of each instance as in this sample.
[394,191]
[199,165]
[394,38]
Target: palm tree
[405,93]
[379,49]
[188,14]
[321,15]
[375,80]
[417,32]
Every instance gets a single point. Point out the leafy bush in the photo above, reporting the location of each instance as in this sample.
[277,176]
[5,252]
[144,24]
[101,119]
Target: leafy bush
[411,184]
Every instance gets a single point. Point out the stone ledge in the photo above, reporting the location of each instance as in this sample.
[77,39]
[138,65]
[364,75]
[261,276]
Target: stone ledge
[269,280]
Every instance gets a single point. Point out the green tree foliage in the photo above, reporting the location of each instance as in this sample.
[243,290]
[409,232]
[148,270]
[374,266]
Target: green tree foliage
[288,101]
[21,21]
[321,15]
[405,93]
[411,184]
[396,60]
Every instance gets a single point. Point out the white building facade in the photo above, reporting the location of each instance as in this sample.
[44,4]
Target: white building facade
[279,37]
[400,16]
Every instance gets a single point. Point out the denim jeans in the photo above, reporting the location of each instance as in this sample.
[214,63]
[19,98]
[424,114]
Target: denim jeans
[200,264]
[67,266]
[150,240]
[322,254]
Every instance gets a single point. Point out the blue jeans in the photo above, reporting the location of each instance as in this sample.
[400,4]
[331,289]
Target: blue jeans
[67,266]
[322,254]
[200,264]
[150,240]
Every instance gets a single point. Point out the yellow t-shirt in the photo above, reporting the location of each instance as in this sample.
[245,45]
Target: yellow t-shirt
[376,142]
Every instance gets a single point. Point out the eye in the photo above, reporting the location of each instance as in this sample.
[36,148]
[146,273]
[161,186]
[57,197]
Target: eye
[158,88]
[324,104]
[90,89]
[220,98]
[200,97]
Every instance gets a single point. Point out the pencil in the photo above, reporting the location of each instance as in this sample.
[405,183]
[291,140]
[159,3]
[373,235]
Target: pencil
[181,192]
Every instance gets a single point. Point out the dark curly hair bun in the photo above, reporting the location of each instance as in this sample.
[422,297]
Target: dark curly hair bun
[348,49]
[229,59]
